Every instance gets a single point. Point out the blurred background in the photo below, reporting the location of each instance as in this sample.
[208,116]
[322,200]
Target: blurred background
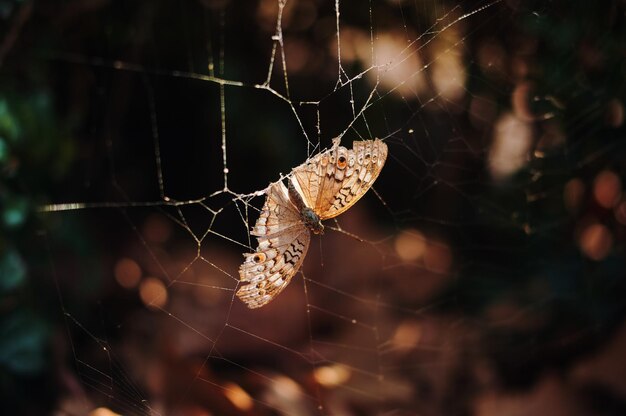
[488,274]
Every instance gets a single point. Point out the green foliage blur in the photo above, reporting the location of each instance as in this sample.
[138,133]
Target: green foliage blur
[35,151]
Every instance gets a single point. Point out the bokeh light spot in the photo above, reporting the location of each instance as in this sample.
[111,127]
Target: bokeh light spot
[332,375]
[153,293]
[511,144]
[103,411]
[595,241]
[607,189]
[449,77]
[410,245]
[286,387]
[407,335]
[127,273]
[400,64]
[238,397]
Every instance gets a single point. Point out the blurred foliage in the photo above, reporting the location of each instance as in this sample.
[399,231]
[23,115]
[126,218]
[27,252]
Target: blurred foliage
[24,329]
[34,152]
[578,64]
[7,7]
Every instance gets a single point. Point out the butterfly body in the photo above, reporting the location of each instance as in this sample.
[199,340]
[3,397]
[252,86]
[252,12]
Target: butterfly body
[323,187]
[310,219]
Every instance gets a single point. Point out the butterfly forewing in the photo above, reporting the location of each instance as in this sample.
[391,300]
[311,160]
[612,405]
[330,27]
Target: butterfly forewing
[369,157]
[336,179]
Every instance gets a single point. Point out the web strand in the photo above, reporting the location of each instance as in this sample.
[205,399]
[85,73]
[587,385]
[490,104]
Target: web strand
[338,338]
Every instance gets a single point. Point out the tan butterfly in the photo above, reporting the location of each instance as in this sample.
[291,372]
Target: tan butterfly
[321,188]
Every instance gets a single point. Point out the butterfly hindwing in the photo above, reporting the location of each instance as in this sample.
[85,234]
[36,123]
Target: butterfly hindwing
[283,242]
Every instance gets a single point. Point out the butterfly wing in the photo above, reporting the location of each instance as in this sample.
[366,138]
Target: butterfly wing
[329,183]
[283,242]
[350,176]
[308,177]
[336,179]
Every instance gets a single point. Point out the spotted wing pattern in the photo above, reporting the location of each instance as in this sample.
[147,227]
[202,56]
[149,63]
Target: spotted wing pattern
[336,179]
[328,183]
[283,242]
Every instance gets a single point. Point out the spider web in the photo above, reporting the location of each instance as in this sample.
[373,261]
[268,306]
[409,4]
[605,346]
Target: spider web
[189,110]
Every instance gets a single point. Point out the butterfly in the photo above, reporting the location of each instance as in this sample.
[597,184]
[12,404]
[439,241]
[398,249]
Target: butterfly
[323,187]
